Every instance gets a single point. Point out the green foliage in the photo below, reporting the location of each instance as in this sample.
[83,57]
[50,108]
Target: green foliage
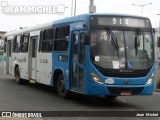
[1,56]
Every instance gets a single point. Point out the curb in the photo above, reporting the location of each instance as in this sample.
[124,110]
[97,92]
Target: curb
[157,90]
[1,59]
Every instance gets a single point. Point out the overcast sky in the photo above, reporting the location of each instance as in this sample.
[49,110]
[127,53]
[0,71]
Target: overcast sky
[12,21]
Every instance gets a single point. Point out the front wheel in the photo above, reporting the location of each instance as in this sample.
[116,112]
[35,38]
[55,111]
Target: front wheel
[61,87]
[17,76]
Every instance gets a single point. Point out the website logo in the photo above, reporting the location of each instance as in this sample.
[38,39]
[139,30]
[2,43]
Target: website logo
[6,114]
[8,9]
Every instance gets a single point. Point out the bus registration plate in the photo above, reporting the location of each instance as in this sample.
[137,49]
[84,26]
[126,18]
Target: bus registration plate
[126,93]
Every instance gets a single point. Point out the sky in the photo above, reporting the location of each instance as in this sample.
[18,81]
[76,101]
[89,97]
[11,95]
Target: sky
[9,22]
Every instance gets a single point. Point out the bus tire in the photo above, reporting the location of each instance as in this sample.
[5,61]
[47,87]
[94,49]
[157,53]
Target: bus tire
[61,87]
[17,76]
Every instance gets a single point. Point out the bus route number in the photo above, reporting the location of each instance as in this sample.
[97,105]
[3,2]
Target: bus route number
[120,21]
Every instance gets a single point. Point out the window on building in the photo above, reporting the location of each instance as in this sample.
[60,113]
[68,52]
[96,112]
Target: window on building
[47,40]
[61,39]
[25,43]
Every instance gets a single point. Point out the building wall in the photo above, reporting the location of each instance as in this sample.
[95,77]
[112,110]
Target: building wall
[1,41]
[157,50]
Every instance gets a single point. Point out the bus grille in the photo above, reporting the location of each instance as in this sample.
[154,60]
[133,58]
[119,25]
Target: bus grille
[117,91]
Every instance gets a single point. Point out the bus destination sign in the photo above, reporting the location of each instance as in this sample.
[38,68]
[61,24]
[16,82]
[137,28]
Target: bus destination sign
[120,21]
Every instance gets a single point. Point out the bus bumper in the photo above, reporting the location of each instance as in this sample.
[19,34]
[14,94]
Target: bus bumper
[119,90]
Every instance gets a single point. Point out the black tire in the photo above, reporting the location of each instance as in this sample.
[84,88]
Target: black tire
[61,87]
[17,76]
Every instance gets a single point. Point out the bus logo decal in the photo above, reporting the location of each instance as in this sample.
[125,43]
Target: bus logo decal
[22,60]
[130,65]
[43,61]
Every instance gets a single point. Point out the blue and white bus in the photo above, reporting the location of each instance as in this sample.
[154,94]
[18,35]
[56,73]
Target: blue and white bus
[92,54]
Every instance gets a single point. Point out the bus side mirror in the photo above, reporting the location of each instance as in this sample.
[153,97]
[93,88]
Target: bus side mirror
[158,42]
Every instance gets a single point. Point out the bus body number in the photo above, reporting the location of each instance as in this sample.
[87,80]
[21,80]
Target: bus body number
[120,21]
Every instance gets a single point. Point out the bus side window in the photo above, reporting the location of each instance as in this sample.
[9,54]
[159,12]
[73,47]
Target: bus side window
[4,45]
[61,38]
[25,43]
[17,44]
[47,40]
[40,41]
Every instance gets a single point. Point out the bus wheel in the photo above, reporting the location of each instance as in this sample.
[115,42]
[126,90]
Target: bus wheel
[60,87]
[17,76]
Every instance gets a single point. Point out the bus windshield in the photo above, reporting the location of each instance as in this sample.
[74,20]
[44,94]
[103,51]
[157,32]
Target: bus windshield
[121,49]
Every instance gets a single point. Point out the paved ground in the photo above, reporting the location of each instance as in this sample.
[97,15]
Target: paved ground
[29,97]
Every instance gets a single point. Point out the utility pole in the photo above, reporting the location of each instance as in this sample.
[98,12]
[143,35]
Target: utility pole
[142,6]
[72,8]
[159,24]
[75,7]
[92,7]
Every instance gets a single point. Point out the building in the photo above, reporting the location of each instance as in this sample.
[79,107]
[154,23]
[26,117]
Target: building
[157,34]
[157,50]
[1,41]
[157,38]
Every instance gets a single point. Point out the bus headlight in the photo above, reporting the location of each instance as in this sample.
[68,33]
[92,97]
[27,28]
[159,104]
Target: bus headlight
[95,77]
[150,80]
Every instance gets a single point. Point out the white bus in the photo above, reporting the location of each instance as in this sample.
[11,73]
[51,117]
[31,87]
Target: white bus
[22,56]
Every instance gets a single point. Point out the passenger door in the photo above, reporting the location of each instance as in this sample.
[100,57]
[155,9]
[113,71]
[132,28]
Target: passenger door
[78,61]
[8,57]
[32,57]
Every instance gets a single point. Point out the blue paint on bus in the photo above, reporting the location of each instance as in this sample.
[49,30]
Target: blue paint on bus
[136,85]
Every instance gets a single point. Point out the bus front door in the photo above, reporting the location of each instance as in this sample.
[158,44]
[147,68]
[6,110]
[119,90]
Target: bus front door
[32,57]
[78,61]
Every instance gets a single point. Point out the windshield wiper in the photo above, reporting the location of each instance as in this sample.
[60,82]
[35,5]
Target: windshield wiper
[113,39]
[136,42]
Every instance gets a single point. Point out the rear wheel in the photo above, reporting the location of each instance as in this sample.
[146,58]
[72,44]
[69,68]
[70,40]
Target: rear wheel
[61,87]
[17,76]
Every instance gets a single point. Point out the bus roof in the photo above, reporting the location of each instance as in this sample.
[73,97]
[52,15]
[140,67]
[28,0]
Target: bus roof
[37,27]
[86,16]
[83,17]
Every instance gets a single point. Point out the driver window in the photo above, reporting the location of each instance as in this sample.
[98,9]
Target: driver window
[147,45]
